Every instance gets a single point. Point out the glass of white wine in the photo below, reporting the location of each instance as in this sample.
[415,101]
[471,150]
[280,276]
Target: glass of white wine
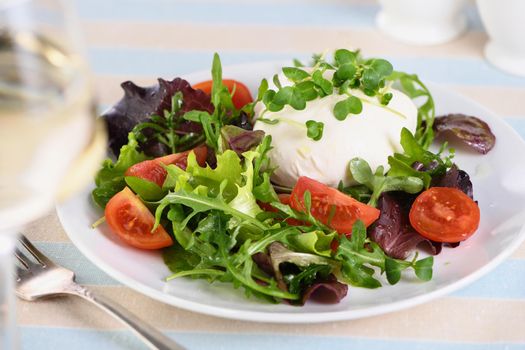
[50,142]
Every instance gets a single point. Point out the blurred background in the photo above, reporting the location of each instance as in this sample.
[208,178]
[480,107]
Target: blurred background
[141,40]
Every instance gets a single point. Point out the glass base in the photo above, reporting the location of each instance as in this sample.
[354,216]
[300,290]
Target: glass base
[8,334]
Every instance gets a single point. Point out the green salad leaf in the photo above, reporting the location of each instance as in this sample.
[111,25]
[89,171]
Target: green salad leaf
[228,169]
[378,182]
[401,164]
[214,214]
[245,201]
[224,111]
[110,178]
[359,254]
[411,85]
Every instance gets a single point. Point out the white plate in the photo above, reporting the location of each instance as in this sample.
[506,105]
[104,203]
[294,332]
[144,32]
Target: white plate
[498,186]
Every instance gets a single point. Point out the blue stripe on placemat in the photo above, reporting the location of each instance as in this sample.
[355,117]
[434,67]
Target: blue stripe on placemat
[68,256]
[241,12]
[43,338]
[506,281]
[172,63]
[518,123]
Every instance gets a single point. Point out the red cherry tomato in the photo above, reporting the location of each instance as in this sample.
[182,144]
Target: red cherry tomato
[444,214]
[152,170]
[241,96]
[331,207]
[284,198]
[131,220]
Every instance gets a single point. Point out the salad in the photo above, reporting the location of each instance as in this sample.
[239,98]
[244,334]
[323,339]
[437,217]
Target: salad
[325,180]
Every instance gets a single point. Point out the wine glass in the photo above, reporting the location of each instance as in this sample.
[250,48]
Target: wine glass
[50,142]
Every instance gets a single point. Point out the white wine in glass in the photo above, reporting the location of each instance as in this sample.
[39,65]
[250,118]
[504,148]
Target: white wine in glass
[50,142]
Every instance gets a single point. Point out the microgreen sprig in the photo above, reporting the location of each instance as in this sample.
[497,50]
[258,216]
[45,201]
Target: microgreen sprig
[314,129]
[350,71]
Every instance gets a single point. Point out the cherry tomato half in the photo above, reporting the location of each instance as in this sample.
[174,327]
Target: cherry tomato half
[152,170]
[444,214]
[331,207]
[241,96]
[132,221]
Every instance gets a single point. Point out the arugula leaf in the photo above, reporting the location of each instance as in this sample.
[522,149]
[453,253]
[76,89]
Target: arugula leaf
[359,192]
[214,256]
[297,283]
[224,111]
[401,164]
[414,88]
[178,259]
[378,183]
[139,104]
[110,178]
[359,253]
[165,129]
[199,204]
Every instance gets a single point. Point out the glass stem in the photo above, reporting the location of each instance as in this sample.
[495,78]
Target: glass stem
[8,337]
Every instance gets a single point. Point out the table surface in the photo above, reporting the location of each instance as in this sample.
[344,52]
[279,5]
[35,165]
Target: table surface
[141,40]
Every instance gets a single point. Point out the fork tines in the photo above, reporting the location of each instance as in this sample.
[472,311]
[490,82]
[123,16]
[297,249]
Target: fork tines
[35,253]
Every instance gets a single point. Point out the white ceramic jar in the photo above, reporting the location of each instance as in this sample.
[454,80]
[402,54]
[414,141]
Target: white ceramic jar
[504,21]
[422,22]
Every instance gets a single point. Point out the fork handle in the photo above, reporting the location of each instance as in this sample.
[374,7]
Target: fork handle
[152,337]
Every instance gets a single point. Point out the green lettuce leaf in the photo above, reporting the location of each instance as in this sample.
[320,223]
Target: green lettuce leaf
[110,178]
[315,242]
[245,201]
[228,168]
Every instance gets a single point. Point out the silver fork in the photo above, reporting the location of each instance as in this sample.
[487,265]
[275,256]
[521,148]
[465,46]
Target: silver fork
[43,278]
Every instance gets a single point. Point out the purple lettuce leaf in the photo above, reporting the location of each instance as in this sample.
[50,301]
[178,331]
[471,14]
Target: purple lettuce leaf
[455,178]
[264,262]
[240,140]
[325,291]
[393,232]
[472,131]
[140,103]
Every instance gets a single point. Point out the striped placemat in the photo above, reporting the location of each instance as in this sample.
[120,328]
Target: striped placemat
[141,40]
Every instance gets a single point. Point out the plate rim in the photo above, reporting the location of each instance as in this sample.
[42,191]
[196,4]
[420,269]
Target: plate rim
[298,318]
